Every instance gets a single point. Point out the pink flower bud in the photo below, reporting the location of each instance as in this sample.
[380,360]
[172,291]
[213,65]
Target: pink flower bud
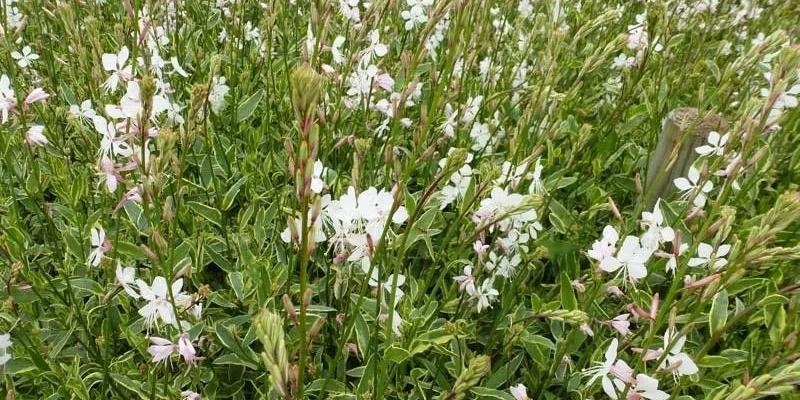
[35,95]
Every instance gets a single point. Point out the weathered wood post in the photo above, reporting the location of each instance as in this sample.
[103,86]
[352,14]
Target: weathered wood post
[683,130]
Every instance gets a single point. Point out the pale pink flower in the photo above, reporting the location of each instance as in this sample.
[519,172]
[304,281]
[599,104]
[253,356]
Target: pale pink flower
[186,349]
[35,95]
[160,349]
[466,282]
[190,395]
[35,136]
[519,392]
[620,323]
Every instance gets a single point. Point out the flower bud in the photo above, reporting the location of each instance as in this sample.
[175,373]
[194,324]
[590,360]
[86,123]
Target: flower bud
[306,86]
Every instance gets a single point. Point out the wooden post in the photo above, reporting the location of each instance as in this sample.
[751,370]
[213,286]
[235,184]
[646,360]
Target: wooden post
[683,130]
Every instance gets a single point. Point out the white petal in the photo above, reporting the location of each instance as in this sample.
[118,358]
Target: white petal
[694,175]
[610,235]
[636,271]
[109,62]
[713,138]
[608,387]
[683,184]
[611,352]
[610,264]
[687,367]
[704,150]
[159,286]
[693,262]
[704,250]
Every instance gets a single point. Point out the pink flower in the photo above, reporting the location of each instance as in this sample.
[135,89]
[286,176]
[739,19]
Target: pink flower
[466,282]
[519,392]
[480,248]
[620,323]
[614,290]
[109,174]
[35,95]
[186,349]
[160,349]
[385,82]
[190,395]
[35,136]
[134,195]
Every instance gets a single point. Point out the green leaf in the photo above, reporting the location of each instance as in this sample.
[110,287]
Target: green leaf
[230,195]
[362,333]
[237,283]
[331,385]
[226,337]
[396,354]
[713,362]
[247,107]
[489,393]
[560,218]
[504,373]
[129,249]
[137,217]
[568,300]
[210,214]
[86,287]
[233,359]
[130,384]
[719,312]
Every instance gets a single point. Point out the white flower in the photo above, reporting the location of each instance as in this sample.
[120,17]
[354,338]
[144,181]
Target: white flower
[519,392]
[26,58]
[217,95]
[656,232]
[485,294]
[448,127]
[35,136]
[672,263]
[317,184]
[481,137]
[646,388]
[349,9]
[319,234]
[716,144]
[83,111]
[511,175]
[471,110]
[619,371]
[623,61]
[336,52]
[110,144]
[605,247]
[375,48]
[693,184]
[466,282]
[159,306]
[7,99]
[503,265]
[536,178]
[676,357]
[631,257]
[5,343]
[499,202]
[126,277]
[387,284]
[706,253]
[100,246]
[117,65]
